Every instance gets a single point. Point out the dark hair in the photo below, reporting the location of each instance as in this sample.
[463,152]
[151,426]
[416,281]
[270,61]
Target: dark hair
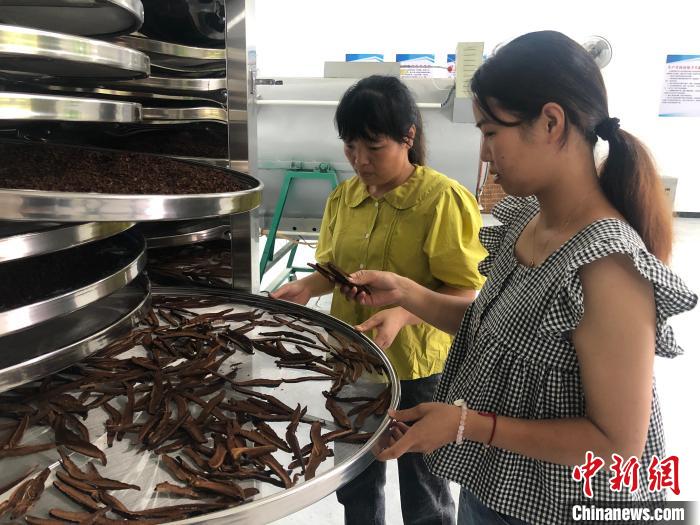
[381,105]
[546,66]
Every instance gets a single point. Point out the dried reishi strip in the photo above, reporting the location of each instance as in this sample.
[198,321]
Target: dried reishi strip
[74,442]
[34,520]
[77,496]
[319,451]
[170,488]
[25,450]
[338,413]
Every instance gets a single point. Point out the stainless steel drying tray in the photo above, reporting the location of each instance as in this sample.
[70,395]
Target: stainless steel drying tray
[128,95]
[129,465]
[32,53]
[83,17]
[29,106]
[185,115]
[172,68]
[51,304]
[166,54]
[180,233]
[163,84]
[52,346]
[21,239]
[75,207]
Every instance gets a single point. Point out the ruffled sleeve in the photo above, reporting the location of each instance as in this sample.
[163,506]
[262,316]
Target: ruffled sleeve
[491,237]
[671,295]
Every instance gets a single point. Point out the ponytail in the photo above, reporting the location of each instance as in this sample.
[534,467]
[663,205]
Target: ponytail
[631,183]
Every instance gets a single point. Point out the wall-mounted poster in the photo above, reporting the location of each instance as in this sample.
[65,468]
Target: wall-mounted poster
[416,65]
[681,95]
[364,57]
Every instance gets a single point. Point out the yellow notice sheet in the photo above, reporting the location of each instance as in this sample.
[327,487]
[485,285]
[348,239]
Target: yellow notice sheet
[469,58]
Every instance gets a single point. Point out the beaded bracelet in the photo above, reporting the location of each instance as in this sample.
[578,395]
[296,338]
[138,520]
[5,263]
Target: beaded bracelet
[462,420]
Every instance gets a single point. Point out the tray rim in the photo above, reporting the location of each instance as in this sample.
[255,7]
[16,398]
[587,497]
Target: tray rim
[66,355]
[56,206]
[32,314]
[207,233]
[79,49]
[171,84]
[125,112]
[132,7]
[172,49]
[63,206]
[55,239]
[267,509]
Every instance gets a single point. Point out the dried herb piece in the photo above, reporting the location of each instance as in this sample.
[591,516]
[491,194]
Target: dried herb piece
[337,276]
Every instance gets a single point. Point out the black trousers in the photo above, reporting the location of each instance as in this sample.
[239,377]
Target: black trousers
[425,499]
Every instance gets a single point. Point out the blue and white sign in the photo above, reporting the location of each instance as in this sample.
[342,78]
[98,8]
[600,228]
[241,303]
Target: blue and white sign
[364,57]
[416,65]
[681,94]
[451,65]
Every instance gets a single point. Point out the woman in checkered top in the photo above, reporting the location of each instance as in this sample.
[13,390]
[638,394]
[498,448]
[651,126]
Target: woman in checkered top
[555,357]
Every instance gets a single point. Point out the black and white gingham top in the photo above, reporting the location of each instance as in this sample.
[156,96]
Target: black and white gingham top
[512,356]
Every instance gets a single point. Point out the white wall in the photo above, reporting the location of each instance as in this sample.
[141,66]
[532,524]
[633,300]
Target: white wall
[295,38]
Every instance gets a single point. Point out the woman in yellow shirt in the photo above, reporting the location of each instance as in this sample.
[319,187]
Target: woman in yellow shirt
[398,215]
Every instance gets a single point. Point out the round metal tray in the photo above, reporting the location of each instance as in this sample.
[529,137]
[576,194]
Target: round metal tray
[166,234]
[26,52]
[184,115]
[73,207]
[51,346]
[20,239]
[206,69]
[160,84]
[60,206]
[350,460]
[86,17]
[167,53]
[128,254]
[141,97]
[25,106]
[126,463]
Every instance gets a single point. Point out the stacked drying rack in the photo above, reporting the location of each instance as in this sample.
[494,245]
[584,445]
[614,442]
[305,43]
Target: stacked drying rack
[96,73]
[71,264]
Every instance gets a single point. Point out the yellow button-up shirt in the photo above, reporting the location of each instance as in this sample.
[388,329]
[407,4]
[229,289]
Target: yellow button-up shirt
[427,230]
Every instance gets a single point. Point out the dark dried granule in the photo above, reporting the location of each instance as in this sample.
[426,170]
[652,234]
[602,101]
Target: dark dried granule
[71,169]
